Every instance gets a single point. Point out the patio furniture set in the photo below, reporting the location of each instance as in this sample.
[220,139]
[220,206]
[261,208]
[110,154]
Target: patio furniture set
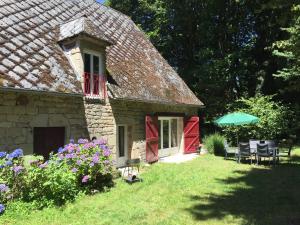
[256,149]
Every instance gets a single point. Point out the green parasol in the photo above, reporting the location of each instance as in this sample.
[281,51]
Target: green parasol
[236,119]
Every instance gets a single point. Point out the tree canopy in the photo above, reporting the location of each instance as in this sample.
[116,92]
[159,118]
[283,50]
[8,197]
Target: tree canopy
[225,49]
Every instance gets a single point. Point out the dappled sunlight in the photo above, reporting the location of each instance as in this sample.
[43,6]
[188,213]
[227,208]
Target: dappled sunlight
[262,195]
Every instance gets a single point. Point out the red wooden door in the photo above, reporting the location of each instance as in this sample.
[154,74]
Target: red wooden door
[151,139]
[48,139]
[191,134]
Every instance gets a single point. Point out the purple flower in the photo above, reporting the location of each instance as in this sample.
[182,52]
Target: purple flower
[3,188]
[16,154]
[2,208]
[61,150]
[70,156]
[89,145]
[72,141]
[70,148]
[18,169]
[8,163]
[61,156]
[78,162]
[100,142]
[95,159]
[106,162]
[92,164]
[2,154]
[106,152]
[74,170]
[85,179]
[44,165]
[82,141]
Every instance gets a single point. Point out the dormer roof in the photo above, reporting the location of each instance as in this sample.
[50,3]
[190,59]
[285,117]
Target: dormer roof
[81,26]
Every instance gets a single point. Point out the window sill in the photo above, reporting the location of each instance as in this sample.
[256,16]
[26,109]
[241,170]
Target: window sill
[166,149]
[94,98]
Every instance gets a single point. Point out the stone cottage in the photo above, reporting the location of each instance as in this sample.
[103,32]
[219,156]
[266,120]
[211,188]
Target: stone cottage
[78,69]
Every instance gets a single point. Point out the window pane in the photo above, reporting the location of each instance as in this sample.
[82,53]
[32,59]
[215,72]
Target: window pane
[87,63]
[159,135]
[165,133]
[96,65]
[174,141]
[121,141]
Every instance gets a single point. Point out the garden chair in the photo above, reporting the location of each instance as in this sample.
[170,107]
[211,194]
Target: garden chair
[262,152]
[229,151]
[244,152]
[132,168]
[253,145]
[273,150]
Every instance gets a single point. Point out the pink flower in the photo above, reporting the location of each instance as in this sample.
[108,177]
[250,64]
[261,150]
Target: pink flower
[18,169]
[83,141]
[44,165]
[85,179]
[95,159]
[100,142]
[89,145]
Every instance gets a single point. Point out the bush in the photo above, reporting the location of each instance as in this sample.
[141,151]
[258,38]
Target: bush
[274,119]
[214,144]
[85,167]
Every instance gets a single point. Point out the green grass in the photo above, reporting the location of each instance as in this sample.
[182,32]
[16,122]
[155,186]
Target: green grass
[208,190]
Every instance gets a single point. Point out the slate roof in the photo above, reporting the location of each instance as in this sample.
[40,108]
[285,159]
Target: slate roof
[81,25]
[32,59]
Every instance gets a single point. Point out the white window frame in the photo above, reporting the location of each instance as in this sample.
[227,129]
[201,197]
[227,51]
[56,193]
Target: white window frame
[101,67]
[169,119]
[122,160]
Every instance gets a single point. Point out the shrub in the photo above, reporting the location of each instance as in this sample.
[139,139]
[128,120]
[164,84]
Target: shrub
[274,119]
[214,144]
[85,167]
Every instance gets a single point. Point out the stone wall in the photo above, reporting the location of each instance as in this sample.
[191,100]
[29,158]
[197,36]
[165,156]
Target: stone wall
[21,112]
[133,115]
[82,118]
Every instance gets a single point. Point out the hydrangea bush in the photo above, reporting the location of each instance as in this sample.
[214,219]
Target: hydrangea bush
[82,167]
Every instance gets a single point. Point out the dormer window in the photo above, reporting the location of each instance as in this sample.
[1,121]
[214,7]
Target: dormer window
[84,45]
[94,78]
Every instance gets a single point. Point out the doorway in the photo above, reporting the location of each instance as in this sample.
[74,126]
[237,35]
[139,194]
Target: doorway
[122,145]
[47,139]
[170,136]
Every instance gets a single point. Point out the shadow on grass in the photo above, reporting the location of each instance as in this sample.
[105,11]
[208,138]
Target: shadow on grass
[259,196]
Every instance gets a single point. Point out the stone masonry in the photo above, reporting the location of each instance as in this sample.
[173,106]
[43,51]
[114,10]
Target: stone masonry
[82,118]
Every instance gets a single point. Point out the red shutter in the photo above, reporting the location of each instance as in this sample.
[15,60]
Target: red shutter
[151,139]
[191,134]
[96,84]
[103,85]
[87,83]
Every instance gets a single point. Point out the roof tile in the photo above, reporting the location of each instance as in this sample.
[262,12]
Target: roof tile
[20,70]
[31,58]
[7,63]
[14,58]
[3,69]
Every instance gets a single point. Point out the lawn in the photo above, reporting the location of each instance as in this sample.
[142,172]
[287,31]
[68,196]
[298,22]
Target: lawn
[207,190]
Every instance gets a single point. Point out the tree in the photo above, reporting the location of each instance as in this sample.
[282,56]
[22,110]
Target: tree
[289,49]
[275,119]
[221,48]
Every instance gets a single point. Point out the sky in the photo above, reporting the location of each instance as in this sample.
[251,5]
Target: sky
[101,1]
